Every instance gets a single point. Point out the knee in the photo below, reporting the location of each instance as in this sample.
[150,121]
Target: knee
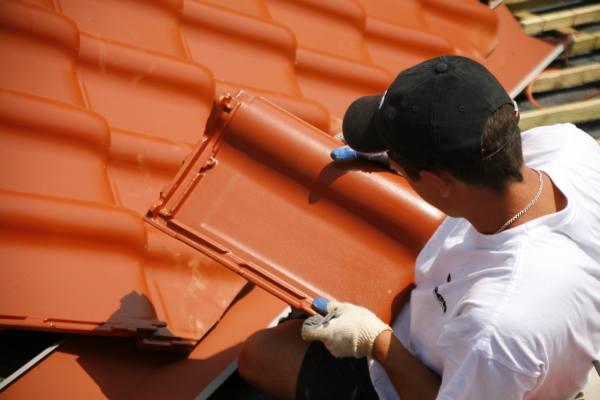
[252,357]
[270,359]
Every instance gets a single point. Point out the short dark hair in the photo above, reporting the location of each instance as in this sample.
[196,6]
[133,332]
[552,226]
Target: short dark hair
[501,131]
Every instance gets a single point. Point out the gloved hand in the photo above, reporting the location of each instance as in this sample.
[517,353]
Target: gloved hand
[347,330]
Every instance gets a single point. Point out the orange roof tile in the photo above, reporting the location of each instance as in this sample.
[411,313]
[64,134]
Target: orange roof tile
[75,182]
[31,35]
[341,22]
[128,22]
[260,195]
[98,368]
[225,40]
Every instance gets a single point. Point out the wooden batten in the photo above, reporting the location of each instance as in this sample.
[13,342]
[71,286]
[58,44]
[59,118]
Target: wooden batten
[567,78]
[533,23]
[573,112]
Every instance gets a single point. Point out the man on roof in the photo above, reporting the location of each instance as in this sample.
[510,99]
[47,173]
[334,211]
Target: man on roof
[507,291]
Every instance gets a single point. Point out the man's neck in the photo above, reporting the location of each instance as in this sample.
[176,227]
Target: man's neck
[489,210]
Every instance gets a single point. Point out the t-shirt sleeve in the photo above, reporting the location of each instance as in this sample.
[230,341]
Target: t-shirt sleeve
[476,376]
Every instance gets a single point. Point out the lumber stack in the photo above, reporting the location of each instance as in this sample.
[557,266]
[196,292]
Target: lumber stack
[567,91]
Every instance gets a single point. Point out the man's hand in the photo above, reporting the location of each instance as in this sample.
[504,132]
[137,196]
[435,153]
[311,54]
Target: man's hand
[347,330]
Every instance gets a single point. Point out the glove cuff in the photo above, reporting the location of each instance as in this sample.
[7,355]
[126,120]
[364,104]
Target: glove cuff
[374,332]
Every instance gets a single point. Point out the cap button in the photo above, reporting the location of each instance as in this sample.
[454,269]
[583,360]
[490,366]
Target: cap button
[441,67]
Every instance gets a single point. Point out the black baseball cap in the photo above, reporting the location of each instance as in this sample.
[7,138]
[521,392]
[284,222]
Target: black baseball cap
[432,115]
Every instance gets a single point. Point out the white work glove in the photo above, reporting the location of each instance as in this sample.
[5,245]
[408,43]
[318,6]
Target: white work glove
[347,330]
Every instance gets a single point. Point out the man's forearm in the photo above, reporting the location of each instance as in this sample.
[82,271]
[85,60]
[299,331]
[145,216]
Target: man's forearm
[411,378]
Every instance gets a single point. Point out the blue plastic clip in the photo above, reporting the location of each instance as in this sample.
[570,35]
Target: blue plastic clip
[344,153]
[319,304]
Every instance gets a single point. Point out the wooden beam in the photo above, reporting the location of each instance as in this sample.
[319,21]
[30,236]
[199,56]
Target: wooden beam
[519,5]
[573,112]
[533,24]
[581,42]
[566,78]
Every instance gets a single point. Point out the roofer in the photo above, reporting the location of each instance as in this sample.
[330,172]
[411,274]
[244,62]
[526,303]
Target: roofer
[507,296]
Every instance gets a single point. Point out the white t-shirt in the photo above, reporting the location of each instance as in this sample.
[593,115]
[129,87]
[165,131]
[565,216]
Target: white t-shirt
[516,314]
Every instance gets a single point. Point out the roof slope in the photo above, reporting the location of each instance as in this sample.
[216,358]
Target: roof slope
[100,103]
[90,140]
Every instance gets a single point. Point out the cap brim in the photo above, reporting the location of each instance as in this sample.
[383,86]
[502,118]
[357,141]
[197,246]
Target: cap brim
[359,128]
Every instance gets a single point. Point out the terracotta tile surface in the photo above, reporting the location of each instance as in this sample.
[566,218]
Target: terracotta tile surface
[261,195]
[331,27]
[88,149]
[101,101]
[99,368]
[30,35]
[60,232]
[470,26]
[224,40]
[128,22]
[332,62]
[400,34]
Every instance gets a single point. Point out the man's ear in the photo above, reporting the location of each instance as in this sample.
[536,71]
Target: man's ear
[440,180]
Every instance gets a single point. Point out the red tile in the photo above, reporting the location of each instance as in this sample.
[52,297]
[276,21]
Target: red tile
[240,48]
[53,149]
[335,82]
[29,34]
[396,47]
[74,266]
[333,66]
[334,27]
[401,34]
[469,25]
[98,368]
[223,41]
[310,111]
[130,87]
[256,8]
[148,25]
[407,14]
[109,163]
[261,195]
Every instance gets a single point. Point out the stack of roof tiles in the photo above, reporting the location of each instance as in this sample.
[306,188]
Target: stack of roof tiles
[101,101]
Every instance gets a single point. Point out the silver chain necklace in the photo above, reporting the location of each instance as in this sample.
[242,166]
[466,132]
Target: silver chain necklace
[527,207]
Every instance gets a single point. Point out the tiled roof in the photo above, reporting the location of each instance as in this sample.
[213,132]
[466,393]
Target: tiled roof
[93,130]
[92,367]
[101,101]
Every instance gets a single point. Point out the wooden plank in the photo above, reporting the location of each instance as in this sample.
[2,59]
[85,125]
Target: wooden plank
[572,112]
[533,24]
[581,42]
[519,5]
[529,21]
[566,78]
